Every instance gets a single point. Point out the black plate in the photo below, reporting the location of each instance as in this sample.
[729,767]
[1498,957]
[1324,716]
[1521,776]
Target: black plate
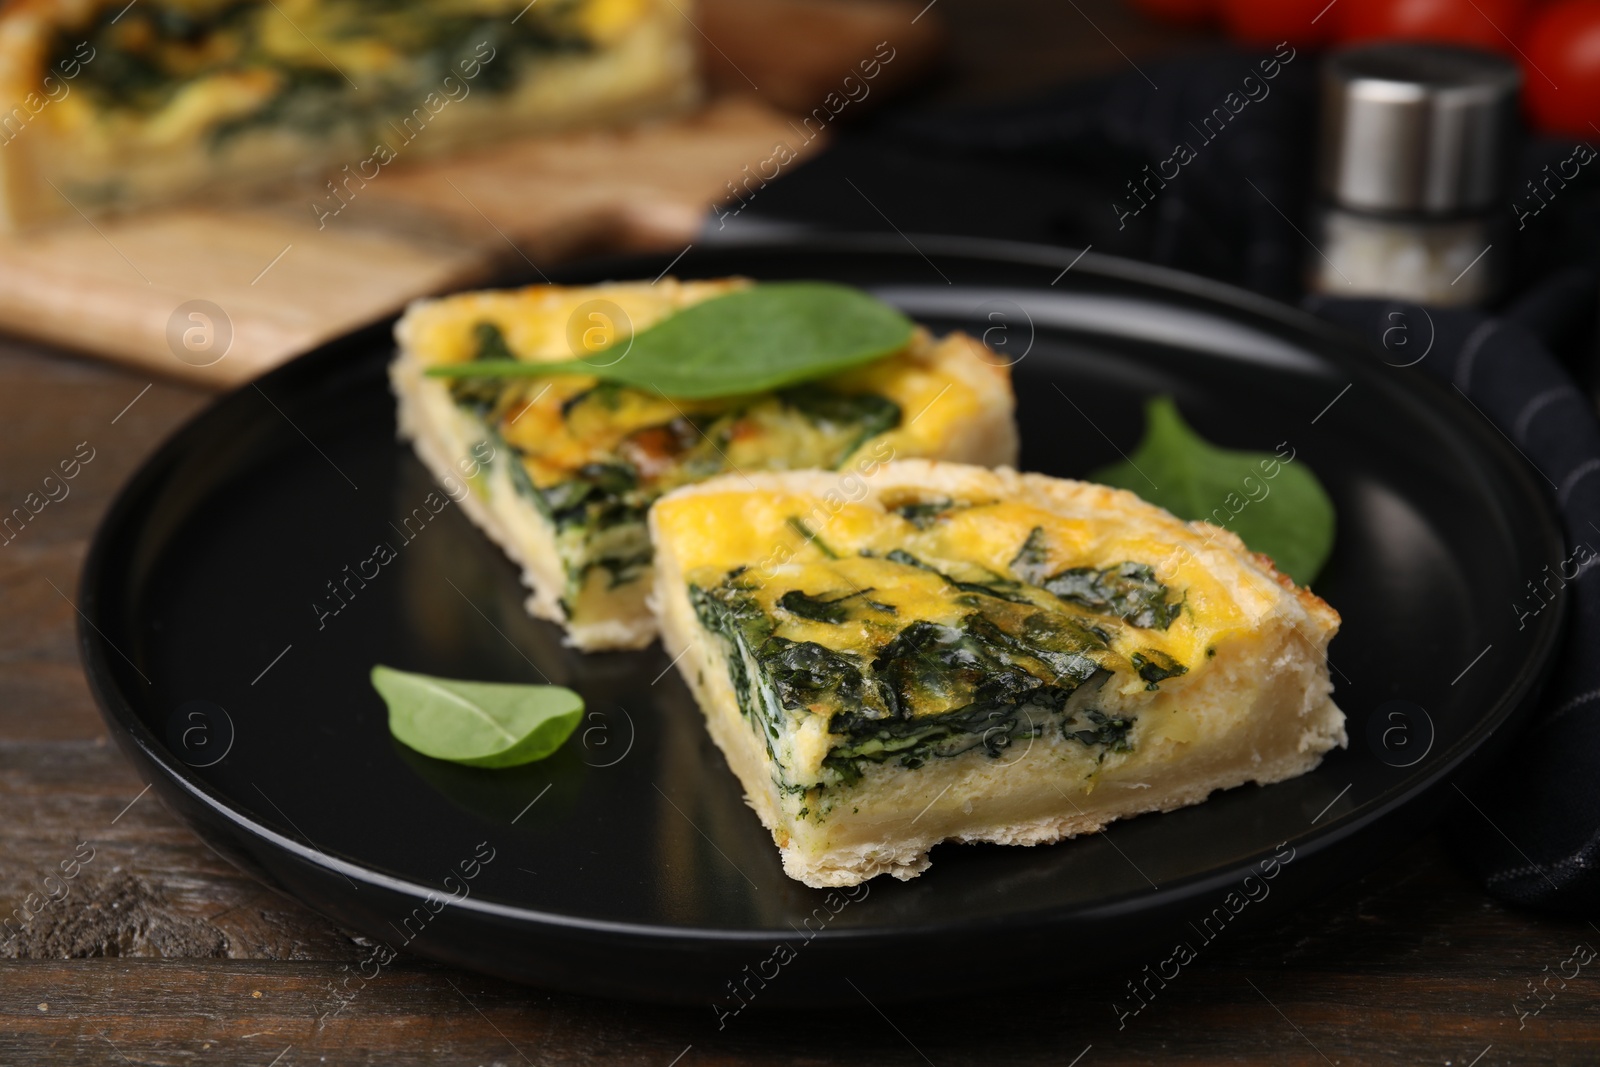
[627,864]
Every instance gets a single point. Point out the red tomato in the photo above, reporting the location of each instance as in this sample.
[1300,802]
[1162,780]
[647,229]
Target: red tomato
[1561,71]
[1266,22]
[1482,23]
[1189,12]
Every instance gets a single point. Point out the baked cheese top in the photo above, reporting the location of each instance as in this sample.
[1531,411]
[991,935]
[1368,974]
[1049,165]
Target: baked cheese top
[913,625]
[580,439]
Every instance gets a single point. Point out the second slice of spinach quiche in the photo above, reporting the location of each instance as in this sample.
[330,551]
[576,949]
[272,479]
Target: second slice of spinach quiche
[938,652]
[561,469]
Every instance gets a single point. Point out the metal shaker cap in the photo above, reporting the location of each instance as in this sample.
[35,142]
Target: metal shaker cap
[1417,128]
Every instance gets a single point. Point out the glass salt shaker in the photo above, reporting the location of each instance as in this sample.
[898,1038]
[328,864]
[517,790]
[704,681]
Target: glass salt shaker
[1413,175]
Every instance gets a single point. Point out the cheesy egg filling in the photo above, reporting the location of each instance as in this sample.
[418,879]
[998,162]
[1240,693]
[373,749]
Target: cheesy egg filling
[904,639]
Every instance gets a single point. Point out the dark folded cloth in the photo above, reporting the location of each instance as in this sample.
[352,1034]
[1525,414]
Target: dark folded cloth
[1069,167]
[1535,836]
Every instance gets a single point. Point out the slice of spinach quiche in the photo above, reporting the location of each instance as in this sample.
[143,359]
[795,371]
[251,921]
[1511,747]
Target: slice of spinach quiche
[106,104]
[563,468]
[937,652]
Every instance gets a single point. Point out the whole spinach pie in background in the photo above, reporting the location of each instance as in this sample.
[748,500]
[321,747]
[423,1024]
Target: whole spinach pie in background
[109,105]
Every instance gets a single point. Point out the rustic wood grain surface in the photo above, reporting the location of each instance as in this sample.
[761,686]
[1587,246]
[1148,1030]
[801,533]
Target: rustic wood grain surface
[161,953]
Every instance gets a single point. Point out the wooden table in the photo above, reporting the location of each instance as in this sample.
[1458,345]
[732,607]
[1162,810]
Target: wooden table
[161,953]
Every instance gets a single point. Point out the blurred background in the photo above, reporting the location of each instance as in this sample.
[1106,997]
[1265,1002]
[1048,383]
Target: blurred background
[206,187]
[194,191]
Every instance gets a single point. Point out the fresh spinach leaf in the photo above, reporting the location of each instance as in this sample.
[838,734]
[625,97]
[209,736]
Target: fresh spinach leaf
[484,724]
[749,341]
[1275,505]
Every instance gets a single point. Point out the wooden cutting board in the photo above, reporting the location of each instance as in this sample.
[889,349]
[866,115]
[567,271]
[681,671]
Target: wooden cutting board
[218,295]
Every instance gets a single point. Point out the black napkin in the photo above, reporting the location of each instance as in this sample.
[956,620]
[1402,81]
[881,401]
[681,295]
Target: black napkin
[1058,168]
[1534,836]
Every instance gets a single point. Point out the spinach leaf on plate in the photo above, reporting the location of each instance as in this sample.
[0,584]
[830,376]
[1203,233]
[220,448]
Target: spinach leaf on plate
[484,724]
[1276,505]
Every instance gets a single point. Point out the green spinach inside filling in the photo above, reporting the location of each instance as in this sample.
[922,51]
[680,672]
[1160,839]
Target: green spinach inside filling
[143,57]
[598,508]
[927,690]
[1129,590]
